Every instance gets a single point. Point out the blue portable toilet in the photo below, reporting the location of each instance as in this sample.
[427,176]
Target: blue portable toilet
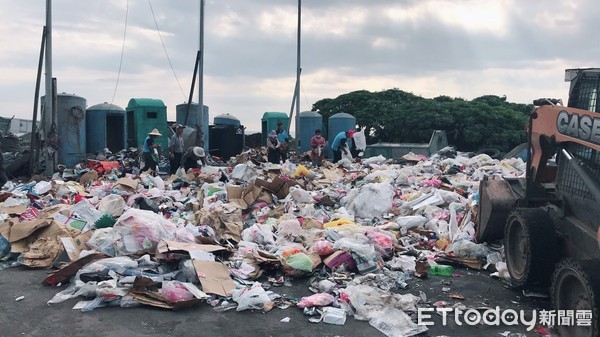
[105,127]
[269,122]
[196,119]
[71,128]
[338,123]
[144,115]
[309,121]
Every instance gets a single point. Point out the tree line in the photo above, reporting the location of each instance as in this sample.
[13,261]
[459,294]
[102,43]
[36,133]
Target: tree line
[396,116]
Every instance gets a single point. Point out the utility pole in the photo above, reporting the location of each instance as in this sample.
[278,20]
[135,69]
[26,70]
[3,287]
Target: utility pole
[49,116]
[199,126]
[298,69]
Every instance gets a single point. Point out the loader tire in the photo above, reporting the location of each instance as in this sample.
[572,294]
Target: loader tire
[531,247]
[576,288]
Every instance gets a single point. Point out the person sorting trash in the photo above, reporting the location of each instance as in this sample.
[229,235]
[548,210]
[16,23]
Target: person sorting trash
[191,157]
[176,148]
[150,153]
[342,143]
[274,147]
[317,144]
[284,139]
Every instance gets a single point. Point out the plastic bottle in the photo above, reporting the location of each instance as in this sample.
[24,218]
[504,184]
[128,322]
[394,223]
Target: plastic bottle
[441,270]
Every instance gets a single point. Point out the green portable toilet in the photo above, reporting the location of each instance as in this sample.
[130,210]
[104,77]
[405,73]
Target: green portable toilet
[143,116]
[269,122]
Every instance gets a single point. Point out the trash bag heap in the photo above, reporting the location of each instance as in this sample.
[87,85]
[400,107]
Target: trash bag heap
[230,236]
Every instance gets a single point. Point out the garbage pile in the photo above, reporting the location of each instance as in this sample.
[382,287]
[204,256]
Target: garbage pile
[230,237]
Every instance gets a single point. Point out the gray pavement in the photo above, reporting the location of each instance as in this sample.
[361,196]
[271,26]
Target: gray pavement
[33,317]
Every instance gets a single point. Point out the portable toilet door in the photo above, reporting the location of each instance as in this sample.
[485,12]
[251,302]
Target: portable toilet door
[338,123]
[105,128]
[269,122]
[143,116]
[309,122]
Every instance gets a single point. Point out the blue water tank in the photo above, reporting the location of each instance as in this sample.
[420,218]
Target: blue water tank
[226,119]
[105,128]
[338,123]
[70,126]
[195,119]
[309,121]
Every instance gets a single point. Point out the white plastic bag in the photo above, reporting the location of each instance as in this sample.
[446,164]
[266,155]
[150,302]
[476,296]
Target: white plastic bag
[373,200]
[102,241]
[251,298]
[113,205]
[138,232]
[300,195]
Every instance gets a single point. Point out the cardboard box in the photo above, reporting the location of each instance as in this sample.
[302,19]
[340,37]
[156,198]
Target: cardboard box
[74,246]
[235,195]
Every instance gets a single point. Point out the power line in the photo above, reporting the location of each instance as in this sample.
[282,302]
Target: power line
[165,49]
[122,52]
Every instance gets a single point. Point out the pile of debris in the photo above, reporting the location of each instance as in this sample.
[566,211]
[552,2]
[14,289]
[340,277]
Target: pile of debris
[227,236]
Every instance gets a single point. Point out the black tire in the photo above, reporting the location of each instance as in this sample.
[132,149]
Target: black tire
[530,246]
[575,287]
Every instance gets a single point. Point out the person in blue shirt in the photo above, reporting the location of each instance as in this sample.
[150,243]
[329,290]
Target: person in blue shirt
[284,138]
[150,162]
[342,142]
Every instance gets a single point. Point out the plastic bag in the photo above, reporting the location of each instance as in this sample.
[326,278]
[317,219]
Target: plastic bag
[360,140]
[259,234]
[373,200]
[300,261]
[180,173]
[189,272]
[42,187]
[316,300]
[254,297]
[4,247]
[175,291]
[300,195]
[102,241]
[243,172]
[322,247]
[301,171]
[468,249]
[139,231]
[393,322]
[290,230]
[113,205]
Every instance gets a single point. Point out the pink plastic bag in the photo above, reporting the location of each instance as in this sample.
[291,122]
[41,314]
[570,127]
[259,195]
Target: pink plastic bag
[322,247]
[174,291]
[316,300]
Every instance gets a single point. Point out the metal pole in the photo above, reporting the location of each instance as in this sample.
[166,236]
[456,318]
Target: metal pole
[189,105]
[33,150]
[48,99]
[298,131]
[199,133]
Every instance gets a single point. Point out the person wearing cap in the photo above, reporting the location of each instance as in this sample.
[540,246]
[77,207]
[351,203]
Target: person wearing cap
[342,142]
[284,139]
[317,143]
[273,146]
[150,162]
[176,147]
[191,156]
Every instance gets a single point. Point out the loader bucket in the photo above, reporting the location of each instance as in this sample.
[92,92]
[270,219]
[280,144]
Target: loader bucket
[497,198]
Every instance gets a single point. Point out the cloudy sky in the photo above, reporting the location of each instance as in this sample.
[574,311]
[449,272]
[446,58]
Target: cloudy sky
[459,48]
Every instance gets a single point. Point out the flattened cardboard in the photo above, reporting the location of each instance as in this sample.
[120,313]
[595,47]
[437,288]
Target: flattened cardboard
[13,210]
[214,277]
[67,272]
[21,230]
